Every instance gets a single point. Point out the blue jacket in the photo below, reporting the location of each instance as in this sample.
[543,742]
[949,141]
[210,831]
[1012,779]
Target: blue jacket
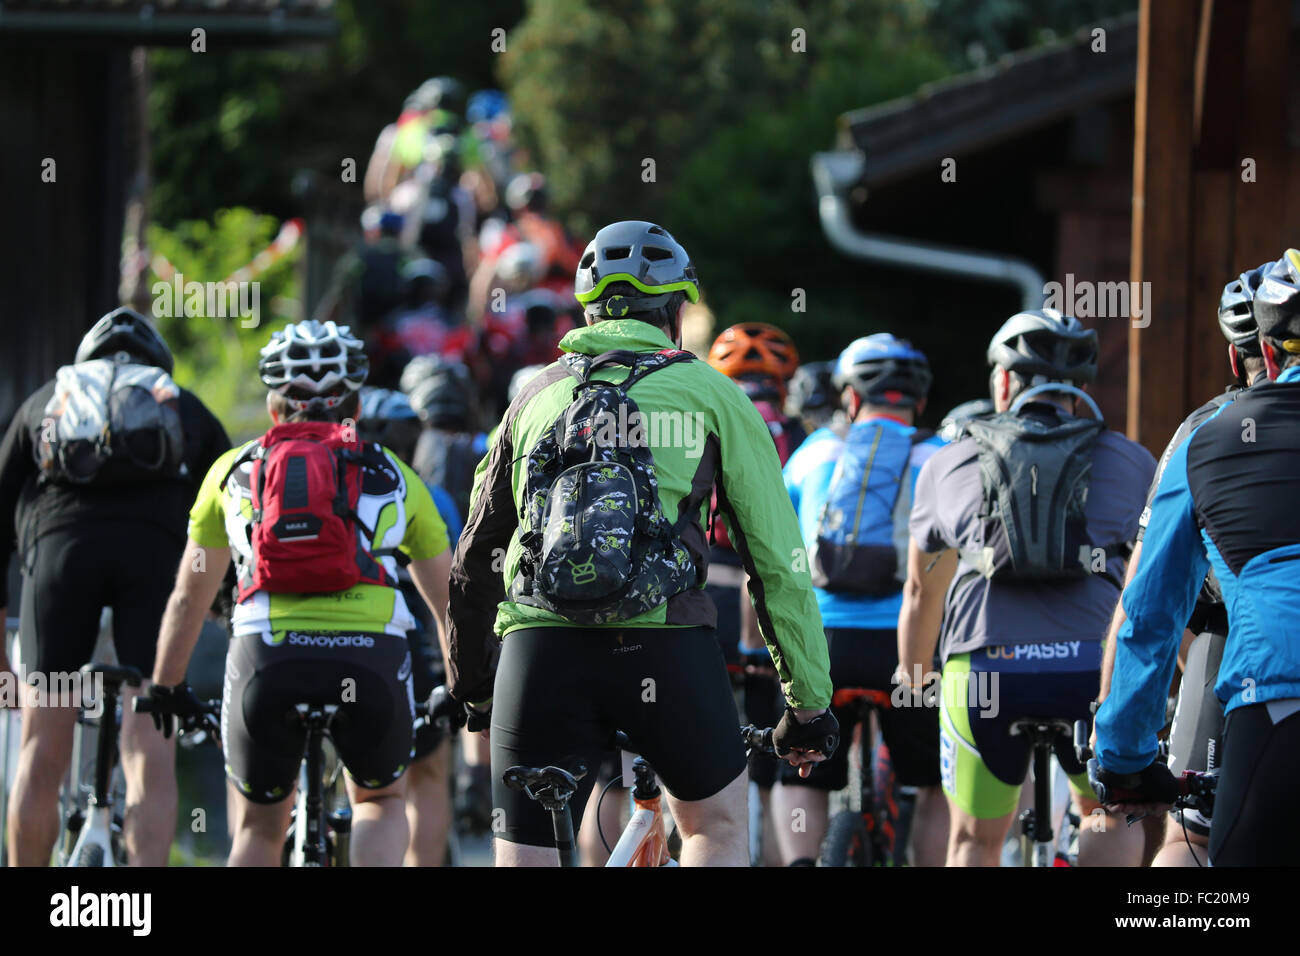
[1227,500]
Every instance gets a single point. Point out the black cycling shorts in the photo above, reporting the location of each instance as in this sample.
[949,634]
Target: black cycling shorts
[1254,806]
[1198,719]
[561,693]
[71,574]
[367,675]
[867,659]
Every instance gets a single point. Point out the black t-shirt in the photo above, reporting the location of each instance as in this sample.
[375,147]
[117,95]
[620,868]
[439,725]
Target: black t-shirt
[31,506]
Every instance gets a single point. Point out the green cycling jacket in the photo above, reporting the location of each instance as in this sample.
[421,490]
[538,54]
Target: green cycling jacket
[700,428]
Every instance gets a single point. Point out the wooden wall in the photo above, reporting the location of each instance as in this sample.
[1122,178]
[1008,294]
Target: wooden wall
[1215,89]
[61,242]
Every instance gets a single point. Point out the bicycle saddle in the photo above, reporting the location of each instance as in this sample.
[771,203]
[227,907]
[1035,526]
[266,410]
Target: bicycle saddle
[1045,729]
[545,783]
[115,675]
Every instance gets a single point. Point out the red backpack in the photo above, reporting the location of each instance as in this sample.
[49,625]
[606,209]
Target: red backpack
[306,480]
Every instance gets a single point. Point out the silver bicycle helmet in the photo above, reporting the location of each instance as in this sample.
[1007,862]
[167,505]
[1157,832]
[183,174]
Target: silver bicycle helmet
[313,363]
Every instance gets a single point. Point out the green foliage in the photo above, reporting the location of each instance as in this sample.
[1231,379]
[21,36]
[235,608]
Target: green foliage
[230,128]
[971,32]
[217,357]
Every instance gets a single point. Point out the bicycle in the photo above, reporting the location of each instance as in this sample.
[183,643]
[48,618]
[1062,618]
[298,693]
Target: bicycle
[644,841]
[320,827]
[1037,841]
[93,837]
[1196,789]
[871,835]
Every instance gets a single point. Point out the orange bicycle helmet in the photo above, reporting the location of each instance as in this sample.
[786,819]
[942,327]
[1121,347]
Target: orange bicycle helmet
[754,348]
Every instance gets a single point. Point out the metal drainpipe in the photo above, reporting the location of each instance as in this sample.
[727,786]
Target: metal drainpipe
[834,173]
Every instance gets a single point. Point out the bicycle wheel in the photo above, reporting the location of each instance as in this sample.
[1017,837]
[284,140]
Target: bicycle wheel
[92,854]
[847,842]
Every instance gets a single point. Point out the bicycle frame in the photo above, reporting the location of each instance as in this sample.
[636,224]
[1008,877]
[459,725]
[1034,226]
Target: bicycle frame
[308,845]
[644,841]
[96,828]
[1037,842]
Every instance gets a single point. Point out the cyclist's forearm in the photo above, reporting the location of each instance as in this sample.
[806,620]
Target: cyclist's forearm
[1116,622]
[200,576]
[431,580]
[921,615]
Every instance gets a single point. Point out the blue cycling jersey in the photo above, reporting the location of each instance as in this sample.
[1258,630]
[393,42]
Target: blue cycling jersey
[808,476]
[1226,501]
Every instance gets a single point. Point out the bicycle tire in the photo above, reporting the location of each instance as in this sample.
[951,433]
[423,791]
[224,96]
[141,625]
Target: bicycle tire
[847,842]
[90,855]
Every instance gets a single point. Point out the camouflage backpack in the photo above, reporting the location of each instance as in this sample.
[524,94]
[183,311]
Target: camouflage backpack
[597,548]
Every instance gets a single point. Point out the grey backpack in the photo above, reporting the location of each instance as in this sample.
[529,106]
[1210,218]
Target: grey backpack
[597,547]
[111,421]
[1035,474]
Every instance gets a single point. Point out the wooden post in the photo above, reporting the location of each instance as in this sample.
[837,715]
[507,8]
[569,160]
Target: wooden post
[1162,220]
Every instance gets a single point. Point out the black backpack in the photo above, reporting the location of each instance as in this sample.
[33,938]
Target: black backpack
[110,422]
[1035,472]
[448,459]
[597,547]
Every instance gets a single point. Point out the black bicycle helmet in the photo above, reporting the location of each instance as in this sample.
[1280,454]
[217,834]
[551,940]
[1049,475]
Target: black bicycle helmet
[884,370]
[1043,342]
[1277,301]
[127,332]
[1236,312]
[441,391]
[811,390]
[641,254]
[313,363]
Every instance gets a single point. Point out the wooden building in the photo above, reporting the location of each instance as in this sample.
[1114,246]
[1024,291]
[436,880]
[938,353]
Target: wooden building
[66,161]
[1047,181]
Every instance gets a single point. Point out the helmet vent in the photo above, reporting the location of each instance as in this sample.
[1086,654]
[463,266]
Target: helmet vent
[587,261]
[618,252]
[656,253]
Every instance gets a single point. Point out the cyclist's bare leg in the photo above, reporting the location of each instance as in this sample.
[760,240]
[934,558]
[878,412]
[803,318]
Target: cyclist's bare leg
[613,817]
[930,827]
[800,816]
[715,830]
[1104,838]
[1179,850]
[259,830]
[380,833]
[149,765]
[519,854]
[43,760]
[975,842]
[428,807]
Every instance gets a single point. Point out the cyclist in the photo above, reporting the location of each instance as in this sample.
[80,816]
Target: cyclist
[643,660]
[387,418]
[1022,621]
[1217,507]
[853,491]
[812,398]
[301,632]
[99,525]
[1198,719]
[449,445]
[761,359]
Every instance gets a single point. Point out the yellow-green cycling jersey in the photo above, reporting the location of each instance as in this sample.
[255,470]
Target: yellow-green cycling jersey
[404,519]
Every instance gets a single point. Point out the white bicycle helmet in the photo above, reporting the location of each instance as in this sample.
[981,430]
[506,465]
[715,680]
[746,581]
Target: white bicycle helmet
[313,363]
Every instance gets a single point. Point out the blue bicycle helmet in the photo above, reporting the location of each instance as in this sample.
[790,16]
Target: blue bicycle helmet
[884,370]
